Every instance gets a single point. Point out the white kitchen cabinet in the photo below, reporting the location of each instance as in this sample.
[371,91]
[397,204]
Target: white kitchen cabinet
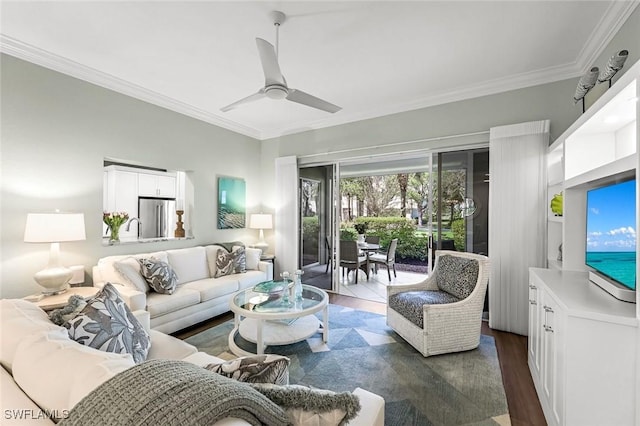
[157,185]
[121,196]
[583,346]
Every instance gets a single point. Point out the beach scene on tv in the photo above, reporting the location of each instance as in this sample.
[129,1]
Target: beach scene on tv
[611,233]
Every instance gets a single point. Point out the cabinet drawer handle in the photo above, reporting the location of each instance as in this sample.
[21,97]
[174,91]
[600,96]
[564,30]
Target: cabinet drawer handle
[533,287]
[548,309]
[532,302]
[548,328]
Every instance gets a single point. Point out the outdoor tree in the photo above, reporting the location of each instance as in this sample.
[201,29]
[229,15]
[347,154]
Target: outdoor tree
[418,190]
[379,193]
[453,190]
[353,188]
[403,181]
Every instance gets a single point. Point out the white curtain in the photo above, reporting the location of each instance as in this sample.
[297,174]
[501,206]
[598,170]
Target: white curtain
[286,218]
[517,219]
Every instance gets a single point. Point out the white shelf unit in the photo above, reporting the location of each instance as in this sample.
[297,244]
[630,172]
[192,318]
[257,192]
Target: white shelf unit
[584,345]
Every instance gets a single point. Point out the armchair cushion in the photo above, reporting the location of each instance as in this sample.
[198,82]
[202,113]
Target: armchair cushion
[457,275]
[410,304]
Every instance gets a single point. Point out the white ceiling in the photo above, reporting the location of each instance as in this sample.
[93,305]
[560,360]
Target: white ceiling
[370,58]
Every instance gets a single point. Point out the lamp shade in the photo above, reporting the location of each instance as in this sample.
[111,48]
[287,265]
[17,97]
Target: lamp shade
[54,227]
[261,221]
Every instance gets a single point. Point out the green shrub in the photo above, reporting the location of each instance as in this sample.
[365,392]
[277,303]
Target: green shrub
[310,230]
[458,227]
[411,243]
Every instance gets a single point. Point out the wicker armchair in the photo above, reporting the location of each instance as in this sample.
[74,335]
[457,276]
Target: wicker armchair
[443,313]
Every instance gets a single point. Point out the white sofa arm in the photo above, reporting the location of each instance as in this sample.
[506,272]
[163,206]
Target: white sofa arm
[371,409]
[267,268]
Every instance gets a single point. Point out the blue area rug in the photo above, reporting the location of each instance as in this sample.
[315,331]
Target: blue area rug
[455,389]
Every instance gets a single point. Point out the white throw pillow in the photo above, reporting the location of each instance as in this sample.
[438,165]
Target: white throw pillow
[253,257]
[56,372]
[19,319]
[129,268]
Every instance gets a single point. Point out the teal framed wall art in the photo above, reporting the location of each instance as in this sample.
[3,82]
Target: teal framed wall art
[231,203]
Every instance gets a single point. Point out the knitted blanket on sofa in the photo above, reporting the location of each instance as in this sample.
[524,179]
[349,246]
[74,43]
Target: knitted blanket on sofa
[167,392]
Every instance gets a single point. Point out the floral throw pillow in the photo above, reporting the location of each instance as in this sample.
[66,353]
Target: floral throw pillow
[107,324]
[255,369]
[160,276]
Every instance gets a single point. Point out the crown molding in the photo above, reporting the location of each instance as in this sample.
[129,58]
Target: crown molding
[46,59]
[609,25]
[611,22]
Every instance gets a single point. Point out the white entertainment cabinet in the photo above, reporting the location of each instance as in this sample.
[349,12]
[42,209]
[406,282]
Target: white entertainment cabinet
[584,345]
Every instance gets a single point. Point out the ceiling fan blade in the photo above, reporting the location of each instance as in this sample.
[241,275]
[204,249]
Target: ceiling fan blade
[258,95]
[270,66]
[306,99]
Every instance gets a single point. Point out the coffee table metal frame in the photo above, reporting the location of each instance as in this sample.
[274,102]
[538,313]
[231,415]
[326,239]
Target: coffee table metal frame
[271,328]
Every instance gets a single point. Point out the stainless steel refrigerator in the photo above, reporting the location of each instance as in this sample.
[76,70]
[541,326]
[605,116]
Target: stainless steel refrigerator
[157,217]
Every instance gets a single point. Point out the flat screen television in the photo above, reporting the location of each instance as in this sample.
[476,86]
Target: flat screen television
[610,253]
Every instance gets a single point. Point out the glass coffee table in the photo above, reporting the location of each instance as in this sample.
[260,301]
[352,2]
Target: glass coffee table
[269,320]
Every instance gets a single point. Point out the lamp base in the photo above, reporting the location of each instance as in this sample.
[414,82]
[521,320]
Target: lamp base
[54,280]
[262,246]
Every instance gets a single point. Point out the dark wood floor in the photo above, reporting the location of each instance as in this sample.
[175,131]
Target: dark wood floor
[524,406]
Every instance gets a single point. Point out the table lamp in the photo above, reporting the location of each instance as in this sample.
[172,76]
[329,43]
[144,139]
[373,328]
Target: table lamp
[54,228]
[261,222]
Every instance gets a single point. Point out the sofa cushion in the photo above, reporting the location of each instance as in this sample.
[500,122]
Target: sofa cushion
[13,398]
[161,304]
[107,324]
[164,346]
[56,372]
[457,275]
[190,264]
[212,288]
[159,275]
[129,268]
[19,318]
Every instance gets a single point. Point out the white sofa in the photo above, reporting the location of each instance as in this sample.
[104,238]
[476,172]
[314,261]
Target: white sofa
[198,296]
[44,372]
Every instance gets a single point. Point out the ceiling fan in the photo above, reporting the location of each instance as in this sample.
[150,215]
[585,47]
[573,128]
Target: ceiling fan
[275,85]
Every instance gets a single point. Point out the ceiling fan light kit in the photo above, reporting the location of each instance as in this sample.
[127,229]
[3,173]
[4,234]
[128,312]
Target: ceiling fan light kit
[275,85]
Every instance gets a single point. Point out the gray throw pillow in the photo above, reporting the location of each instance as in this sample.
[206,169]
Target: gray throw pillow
[255,369]
[457,275]
[106,323]
[239,260]
[160,276]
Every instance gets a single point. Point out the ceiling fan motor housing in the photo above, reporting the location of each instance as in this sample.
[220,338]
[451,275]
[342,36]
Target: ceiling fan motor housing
[276,91]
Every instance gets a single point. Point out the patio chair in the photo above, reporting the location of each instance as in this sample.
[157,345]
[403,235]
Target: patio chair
[387,259]
[443,313]
[350,259]
[372,239]
[330,254]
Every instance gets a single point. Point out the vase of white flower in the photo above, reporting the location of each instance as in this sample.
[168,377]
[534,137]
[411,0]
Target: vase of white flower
[114,221]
